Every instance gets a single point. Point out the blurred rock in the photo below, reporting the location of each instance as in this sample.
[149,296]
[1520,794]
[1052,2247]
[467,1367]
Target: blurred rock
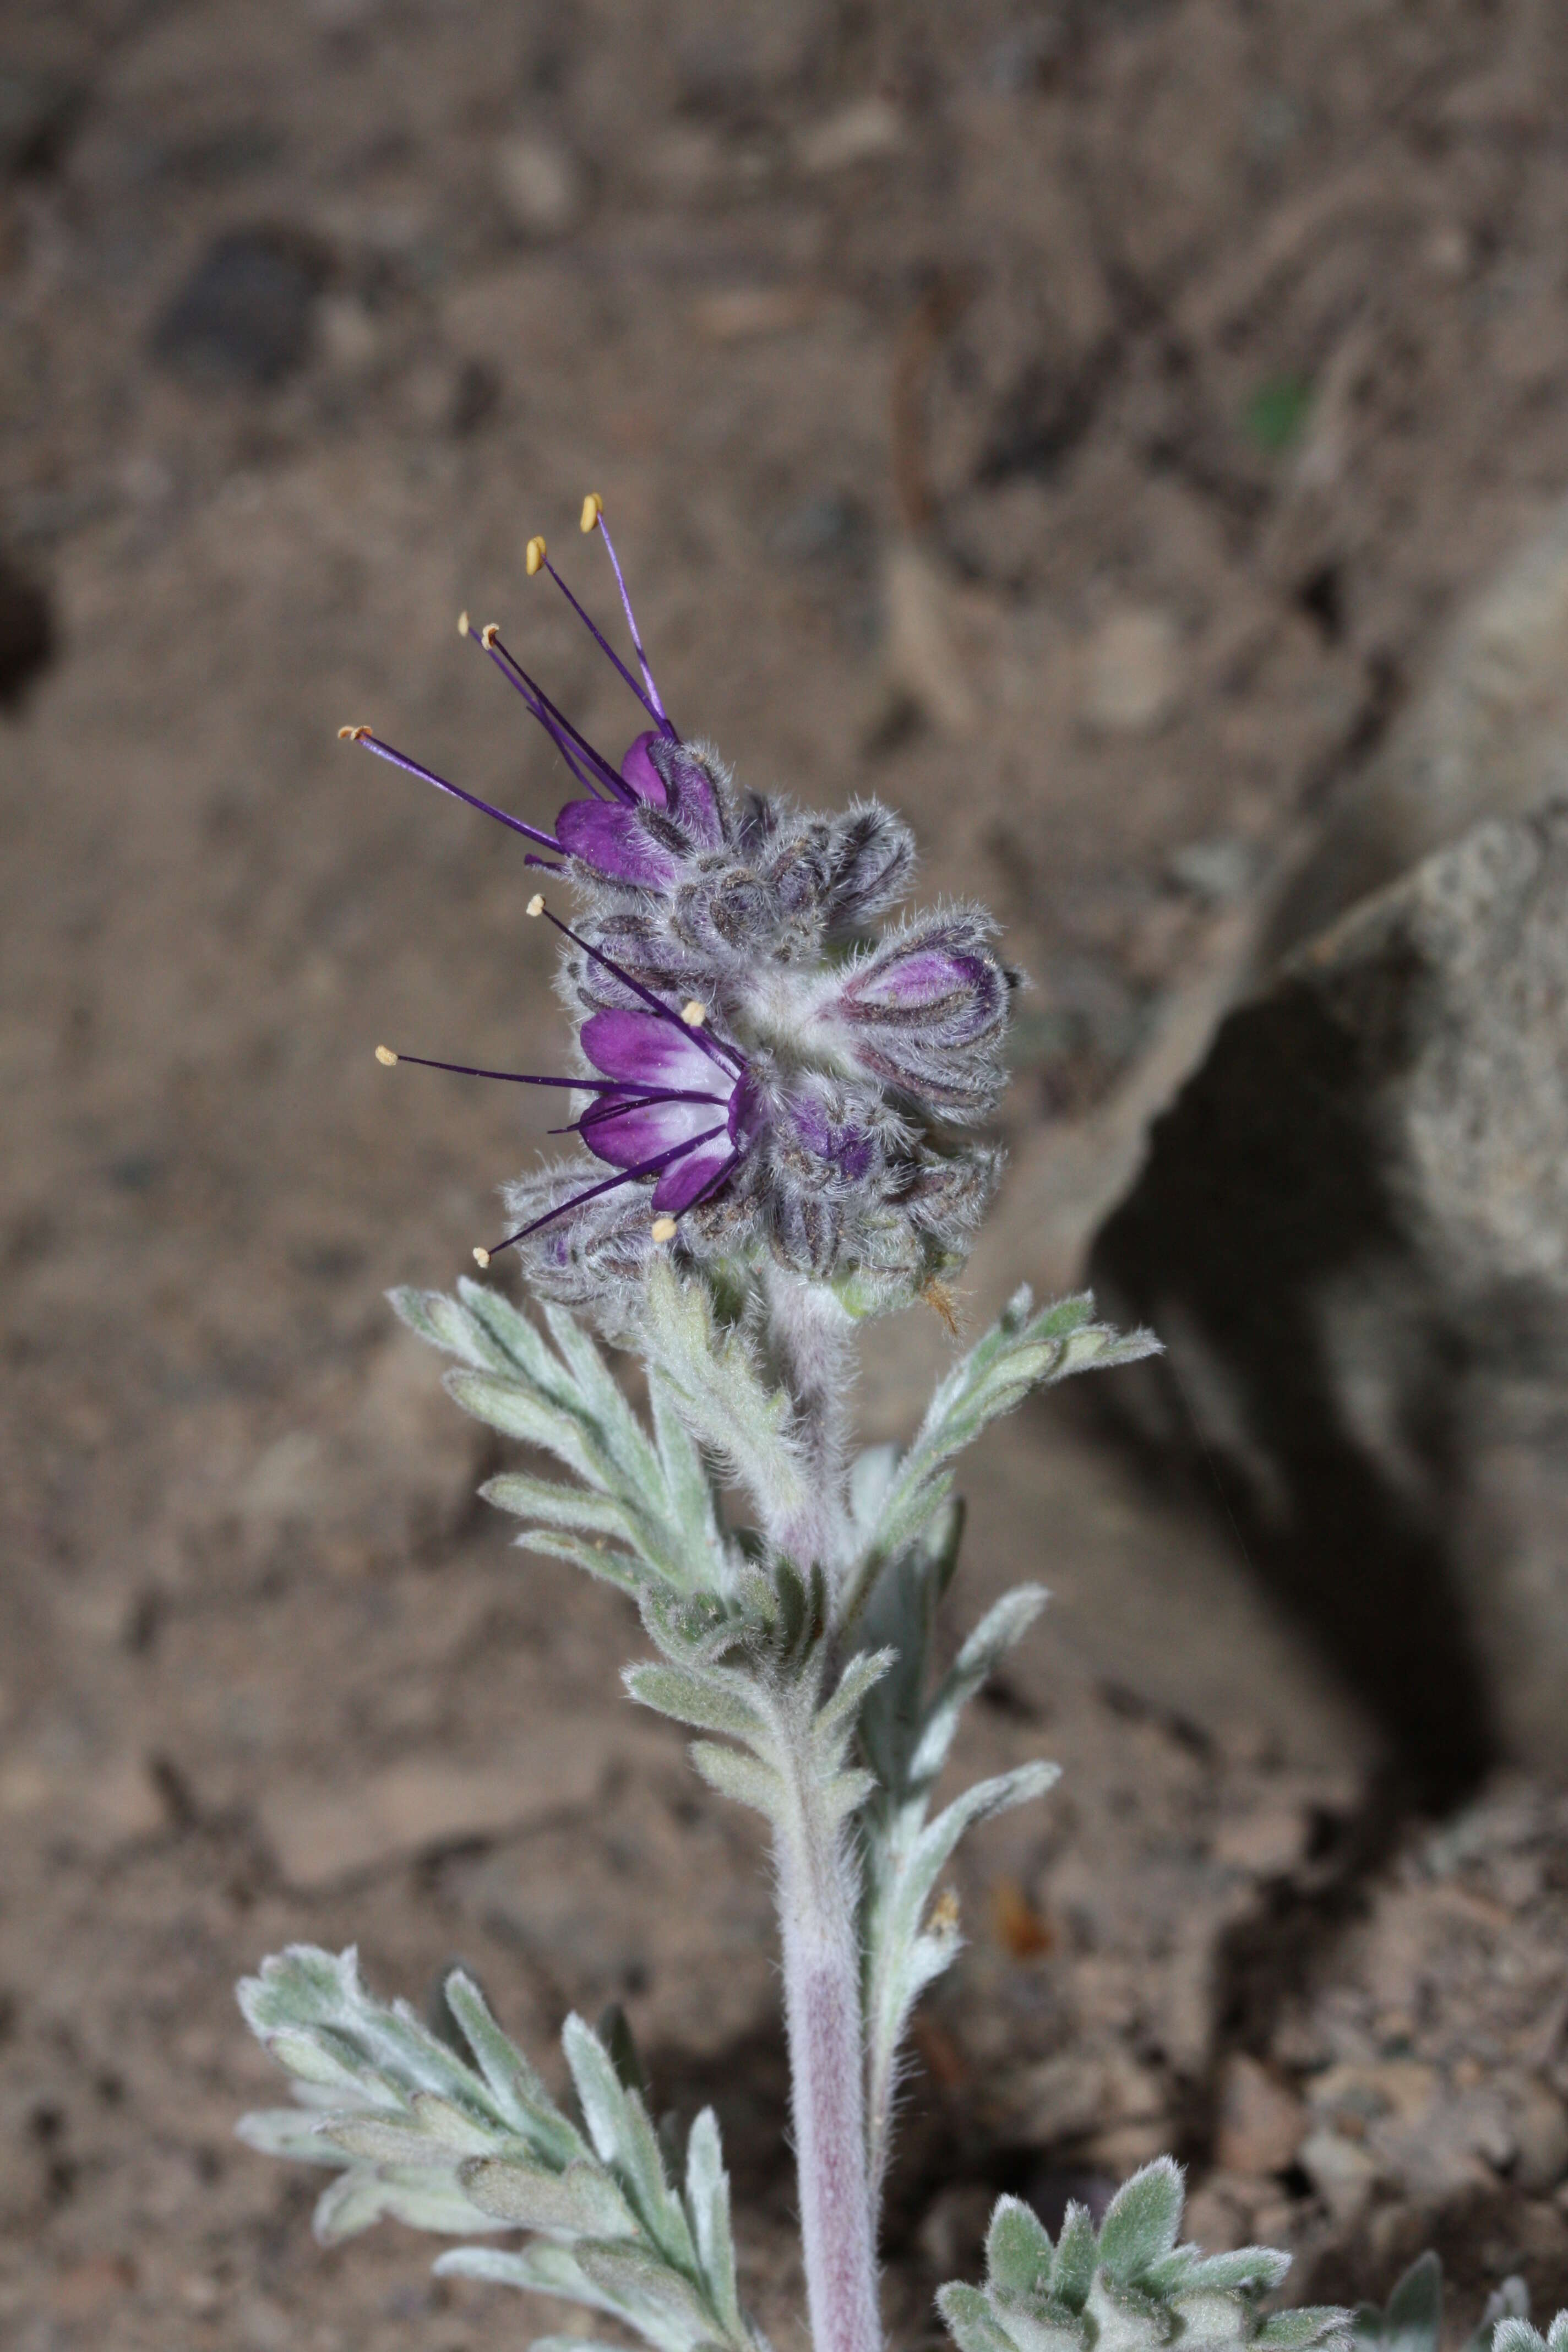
[350,339]
[38,113]
[1262,2122]
[1058,2099]
[737,314]
[245,314]
[1541,2138]
[322,1834]
[1343,2176]
[1352,1233]
[27,634]
[1486,737]
[1218,870]
[952,2234]
[1132,673]
[538,184]
[860,133]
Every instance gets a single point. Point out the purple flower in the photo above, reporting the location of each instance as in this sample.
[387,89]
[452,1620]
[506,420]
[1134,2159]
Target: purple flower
[754,1067]
[689,1110]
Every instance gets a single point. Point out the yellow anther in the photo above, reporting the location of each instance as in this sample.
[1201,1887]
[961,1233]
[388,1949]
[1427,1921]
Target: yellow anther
[536,904]
[694,1013]
[462,624]
[386,1057]
[481,1256]
[352,734]
[944,1912]
[592,508]
[663,1228]
[488,634]
[537,552]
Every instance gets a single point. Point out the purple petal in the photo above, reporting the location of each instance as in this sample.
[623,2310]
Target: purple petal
[646,1052]
[638,771]
[966,993]
[607,836]
[641,1130]
[685,1181]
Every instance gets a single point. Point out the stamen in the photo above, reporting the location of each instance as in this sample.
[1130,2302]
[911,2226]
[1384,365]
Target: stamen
[400,760]
[536,904]
[694,1013]
[627,1176]
[535,555]
[663,1228]
[714,1048]
[590,767]
[604,644]
[481,1256]
[462,624]
[594,512]
[389,1060]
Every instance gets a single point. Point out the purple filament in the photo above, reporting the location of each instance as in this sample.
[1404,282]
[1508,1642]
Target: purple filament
[627,1176]
[654,705]
[384,752]
[589,767]
[605,647]
[714,1048]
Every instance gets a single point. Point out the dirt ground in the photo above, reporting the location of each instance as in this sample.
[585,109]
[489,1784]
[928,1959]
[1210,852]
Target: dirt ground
[1073,424]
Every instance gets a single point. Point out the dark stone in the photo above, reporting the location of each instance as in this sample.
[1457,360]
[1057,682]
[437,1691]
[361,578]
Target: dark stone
[1352,1233]
[245,314]
[27,634]
[39,112]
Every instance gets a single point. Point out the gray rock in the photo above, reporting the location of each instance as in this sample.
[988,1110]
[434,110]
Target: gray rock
[1486,737]
[245,317]
[1352,1232]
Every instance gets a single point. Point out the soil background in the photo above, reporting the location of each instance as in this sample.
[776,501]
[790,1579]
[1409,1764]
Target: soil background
[1074,424]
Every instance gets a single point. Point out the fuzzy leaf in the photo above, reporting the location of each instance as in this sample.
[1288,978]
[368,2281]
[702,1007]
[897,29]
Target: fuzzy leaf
[1019,2252]
[1212,2321]
[1023,1350]
[554,1504]
[998,1631]
[712,1702]
[1141,2221]
[620,2128]
[444,1323]
[970,2321]
[735,1774]
[578,2203]
[288,2131]
[517,1411]
[421,2198]
[519,2095]
[707,2208]
[1296,2331]
[1077,2254]
[712,1377]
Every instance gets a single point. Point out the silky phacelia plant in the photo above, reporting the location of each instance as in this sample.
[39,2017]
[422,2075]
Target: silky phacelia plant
[775,1092]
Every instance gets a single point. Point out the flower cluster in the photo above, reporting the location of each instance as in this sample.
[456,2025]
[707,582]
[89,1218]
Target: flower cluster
[768,1079]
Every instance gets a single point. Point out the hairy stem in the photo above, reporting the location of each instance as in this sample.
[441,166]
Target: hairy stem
[813,1340]
[826,2049]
